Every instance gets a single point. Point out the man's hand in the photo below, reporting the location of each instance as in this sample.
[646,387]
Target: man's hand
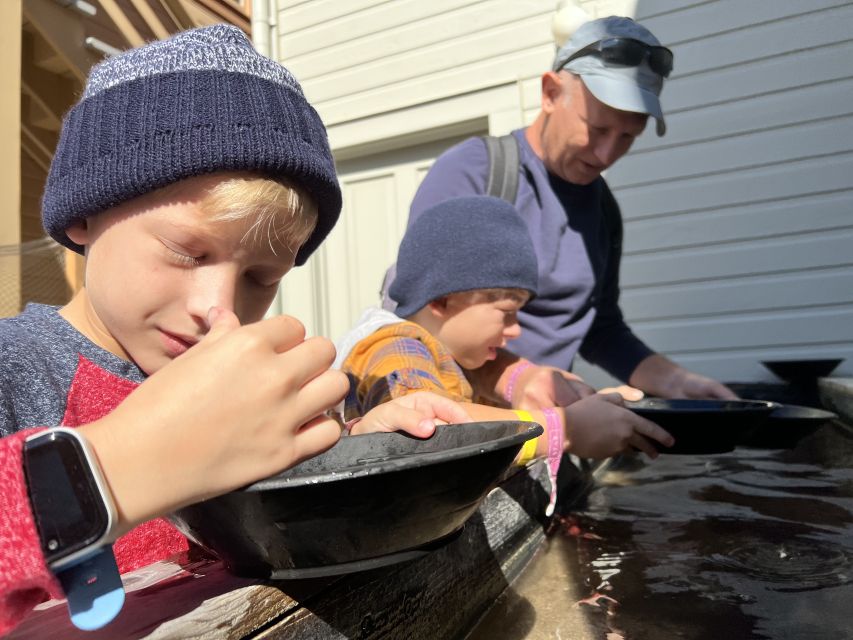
[693,385]
[415,413]
[543,387]
[628,393]
[659,376]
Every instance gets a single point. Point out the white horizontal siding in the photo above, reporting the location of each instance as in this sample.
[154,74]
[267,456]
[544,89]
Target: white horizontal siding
[718,190]
[412,27]
[739,222]
[823,287]
[357,60]
[766,220]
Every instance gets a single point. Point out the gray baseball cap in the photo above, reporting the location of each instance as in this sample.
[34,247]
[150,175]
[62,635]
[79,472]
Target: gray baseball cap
[628,88]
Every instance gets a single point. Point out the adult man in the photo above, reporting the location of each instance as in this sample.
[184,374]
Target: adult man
[597,99]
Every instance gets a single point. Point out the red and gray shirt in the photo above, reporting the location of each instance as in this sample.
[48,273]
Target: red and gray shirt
[50,374]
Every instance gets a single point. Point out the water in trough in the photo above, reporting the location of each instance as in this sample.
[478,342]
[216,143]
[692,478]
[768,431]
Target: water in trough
[750,544]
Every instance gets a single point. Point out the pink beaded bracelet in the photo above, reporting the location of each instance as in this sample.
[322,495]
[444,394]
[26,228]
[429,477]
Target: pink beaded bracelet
[517,369]
[554,427]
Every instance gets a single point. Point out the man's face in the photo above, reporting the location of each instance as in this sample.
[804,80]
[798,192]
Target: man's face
[157,264]
[475,327]
[582,136]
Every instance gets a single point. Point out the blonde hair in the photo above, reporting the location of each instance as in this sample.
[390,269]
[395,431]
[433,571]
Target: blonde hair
[281,211]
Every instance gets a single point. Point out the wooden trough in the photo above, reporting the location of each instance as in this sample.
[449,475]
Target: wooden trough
[441,595]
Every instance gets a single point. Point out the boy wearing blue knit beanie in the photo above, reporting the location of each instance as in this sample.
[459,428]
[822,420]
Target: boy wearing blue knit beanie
[193,175]
[464,269]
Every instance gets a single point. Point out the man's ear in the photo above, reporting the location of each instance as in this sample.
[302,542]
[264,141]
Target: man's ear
[79,233]
[552,91]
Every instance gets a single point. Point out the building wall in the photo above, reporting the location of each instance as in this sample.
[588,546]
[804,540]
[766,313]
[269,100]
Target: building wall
[738,222]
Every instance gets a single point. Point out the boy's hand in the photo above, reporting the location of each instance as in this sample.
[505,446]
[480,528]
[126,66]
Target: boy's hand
[243,404]
[600,427]
[631,394]
[543,387]
[416,413]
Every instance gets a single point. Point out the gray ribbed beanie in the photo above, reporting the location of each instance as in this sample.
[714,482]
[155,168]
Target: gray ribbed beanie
[200,102]
[462,244]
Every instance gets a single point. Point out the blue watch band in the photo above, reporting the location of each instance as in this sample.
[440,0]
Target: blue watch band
[94,590]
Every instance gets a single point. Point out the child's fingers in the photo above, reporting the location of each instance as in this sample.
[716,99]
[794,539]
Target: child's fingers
[315,436]
[441,408]
[220,322]
[400,414]
[612,398]
[282,333]
[642,444]
[413,421]
[306,360]
[649,429]
[318,395]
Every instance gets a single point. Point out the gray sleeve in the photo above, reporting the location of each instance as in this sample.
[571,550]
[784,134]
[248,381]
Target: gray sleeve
[8,422]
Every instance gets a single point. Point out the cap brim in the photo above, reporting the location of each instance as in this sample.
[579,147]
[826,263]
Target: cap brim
[626,96]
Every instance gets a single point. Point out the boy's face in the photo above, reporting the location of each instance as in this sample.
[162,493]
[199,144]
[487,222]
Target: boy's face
[475,325]
[157,264]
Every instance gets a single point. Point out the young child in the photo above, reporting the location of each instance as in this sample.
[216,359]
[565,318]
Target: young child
[464,269]
[193,174]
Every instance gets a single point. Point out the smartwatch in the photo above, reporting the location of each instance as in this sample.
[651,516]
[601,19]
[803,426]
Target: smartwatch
[76,521]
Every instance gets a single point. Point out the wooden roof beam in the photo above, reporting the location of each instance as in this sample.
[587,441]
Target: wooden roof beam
[40,141]
[51,93]
[122,22]
[150,18]
[178,13]
[229,12]
[35,152]
[64,36]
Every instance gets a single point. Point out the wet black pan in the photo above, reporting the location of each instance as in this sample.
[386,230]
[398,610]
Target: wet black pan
[369,501]
[801,371]
[703,426]
[786,425]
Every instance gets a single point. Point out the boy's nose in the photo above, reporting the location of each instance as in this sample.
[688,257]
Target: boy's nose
[511,332]
[211,288]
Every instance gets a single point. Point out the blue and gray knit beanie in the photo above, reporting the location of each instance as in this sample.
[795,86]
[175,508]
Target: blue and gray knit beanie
[200,102]
[462,244]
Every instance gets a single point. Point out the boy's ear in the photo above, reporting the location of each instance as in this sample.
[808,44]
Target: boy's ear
[79,233]
[438,307]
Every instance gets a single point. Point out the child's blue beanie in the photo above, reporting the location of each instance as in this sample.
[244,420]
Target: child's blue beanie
[462,244]
[200,102]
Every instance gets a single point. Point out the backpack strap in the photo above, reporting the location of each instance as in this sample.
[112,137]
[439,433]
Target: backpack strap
[503,167]
[612,217]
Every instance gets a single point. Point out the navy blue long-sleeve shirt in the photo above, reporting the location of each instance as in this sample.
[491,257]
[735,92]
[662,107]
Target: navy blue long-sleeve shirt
[577,306]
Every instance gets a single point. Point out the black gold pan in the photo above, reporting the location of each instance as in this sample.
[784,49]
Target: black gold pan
[703,426]
[369,501]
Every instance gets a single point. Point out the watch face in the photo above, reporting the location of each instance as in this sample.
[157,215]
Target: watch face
[68,507]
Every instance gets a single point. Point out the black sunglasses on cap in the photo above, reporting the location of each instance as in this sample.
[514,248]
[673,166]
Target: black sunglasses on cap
[629,53]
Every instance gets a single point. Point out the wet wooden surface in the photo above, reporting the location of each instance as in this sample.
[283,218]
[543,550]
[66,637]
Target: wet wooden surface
[441,595]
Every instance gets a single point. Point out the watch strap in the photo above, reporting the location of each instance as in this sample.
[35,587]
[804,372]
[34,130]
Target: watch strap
[94,589]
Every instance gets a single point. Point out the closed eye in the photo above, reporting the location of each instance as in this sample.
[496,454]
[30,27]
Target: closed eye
[183,259]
